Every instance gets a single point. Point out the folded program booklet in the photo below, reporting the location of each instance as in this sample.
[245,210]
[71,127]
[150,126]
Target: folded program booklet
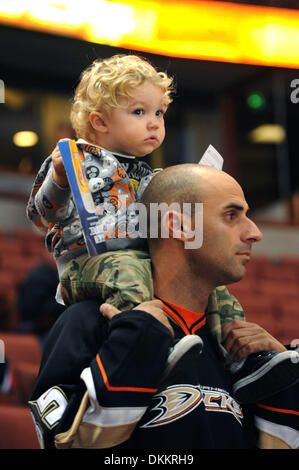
[72,160]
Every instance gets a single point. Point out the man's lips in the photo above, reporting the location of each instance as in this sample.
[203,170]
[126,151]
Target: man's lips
[246,254]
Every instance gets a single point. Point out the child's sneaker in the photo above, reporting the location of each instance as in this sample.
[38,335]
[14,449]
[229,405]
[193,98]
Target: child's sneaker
[263,374]
[181,351]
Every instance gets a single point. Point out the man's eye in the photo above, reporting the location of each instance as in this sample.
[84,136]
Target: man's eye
[230,215]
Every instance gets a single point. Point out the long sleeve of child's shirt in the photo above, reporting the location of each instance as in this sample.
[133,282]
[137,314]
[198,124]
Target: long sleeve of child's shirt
[48,202]
[52,210]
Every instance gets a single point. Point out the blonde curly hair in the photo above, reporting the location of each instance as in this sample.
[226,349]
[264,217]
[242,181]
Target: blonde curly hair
[106,81]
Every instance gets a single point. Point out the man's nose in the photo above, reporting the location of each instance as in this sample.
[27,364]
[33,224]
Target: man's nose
[252,233]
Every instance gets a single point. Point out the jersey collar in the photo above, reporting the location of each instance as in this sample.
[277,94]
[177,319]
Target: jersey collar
[187,320]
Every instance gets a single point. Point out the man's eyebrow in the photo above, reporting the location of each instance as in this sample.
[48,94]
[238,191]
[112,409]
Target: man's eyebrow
[233,205]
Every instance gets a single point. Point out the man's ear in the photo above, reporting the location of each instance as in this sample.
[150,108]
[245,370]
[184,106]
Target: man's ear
[98,122]
[176,225]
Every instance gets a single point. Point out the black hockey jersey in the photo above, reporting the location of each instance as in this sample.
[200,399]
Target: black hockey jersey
[100,386]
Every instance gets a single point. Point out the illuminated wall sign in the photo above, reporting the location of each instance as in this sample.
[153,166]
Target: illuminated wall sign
[207,30]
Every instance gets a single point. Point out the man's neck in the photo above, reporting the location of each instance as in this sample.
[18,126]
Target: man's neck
[181,290]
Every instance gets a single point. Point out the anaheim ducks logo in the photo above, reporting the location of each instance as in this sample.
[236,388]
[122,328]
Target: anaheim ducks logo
[174,402]
[178,400]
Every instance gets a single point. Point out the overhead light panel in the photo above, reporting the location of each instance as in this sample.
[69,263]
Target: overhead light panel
[25,139]
[267,134]
[205,30]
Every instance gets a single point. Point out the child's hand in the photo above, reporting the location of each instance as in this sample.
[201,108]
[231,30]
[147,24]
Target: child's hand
[59,173]
[241,338]
[153,307]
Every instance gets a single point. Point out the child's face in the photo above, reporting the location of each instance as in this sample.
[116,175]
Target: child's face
[138,127]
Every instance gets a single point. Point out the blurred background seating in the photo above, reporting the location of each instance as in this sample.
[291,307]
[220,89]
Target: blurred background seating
[269,294]
[19,428]
[28,282]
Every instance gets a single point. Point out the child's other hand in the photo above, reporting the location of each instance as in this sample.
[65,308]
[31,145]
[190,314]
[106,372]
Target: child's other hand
[153,307]
[59,173]
[241,338]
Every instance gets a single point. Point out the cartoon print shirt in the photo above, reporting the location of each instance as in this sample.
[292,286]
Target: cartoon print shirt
[52,209]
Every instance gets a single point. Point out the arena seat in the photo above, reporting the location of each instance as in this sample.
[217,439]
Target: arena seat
[26,375]
[257,264]
[10,246]
[32,242]
[290,261]
[21,348]
[17,430]
[280,271]
[291,309]
[246,285]
[23,353]
[260,309]
[275,287]
[7,281]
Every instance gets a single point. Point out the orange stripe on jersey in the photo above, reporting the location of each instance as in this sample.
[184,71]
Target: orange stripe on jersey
[188,320]
[199,325]
[278,410]
[177,319]
[120,389]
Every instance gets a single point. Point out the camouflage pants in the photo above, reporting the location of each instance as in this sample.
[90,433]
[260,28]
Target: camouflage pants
[124,279]
[222,309]
[121,278]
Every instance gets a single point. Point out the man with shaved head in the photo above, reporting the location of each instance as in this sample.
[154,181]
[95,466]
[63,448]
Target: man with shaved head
[226,228]
[108,381]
